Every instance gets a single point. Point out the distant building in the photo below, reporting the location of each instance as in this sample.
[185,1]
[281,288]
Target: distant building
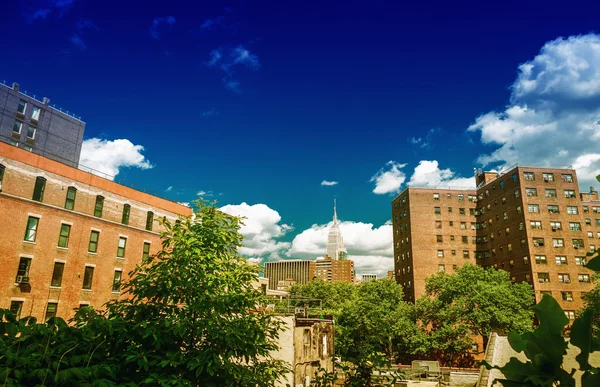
[390,274]
[286,284]
[335,242]
[300,271]
[37,127]
[334,270]
[369,277]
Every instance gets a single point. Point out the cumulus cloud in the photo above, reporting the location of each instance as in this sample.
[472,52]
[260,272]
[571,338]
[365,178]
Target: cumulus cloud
[389,179]
[368,246]
[429,174]
[262,227]
[108,157]
[329,183]
[157,22]
[553,117]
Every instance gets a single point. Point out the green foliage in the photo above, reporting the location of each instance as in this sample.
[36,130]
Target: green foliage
[332,295]
[369,372]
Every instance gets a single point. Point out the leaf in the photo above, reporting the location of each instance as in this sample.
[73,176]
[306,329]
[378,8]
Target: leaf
[581,337]
[594,263]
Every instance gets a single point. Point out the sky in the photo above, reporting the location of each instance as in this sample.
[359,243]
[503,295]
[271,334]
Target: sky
[276,108]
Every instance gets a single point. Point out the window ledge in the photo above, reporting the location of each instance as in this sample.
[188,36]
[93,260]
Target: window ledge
[62,248]
[116,293]
[56,287]
[86,290]
[91,253]
[30,243]
[120,258]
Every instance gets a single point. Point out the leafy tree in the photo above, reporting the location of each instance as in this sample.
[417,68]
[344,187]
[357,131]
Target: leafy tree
[591,301]
[332,295]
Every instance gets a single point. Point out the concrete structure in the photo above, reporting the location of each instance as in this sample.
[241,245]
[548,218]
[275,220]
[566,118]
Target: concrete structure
[306,343]
[39,128]
[335,241]
[369,277]
[286,284]
[334,270]
[531,222]
[67,237]
[300,271]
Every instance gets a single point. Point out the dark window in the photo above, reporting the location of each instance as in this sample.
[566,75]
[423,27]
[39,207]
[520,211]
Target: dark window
[38,190]
[126,211]
[51,310]
[94,237]
[88,276]
[63,239]
[149,220]
[1,176]
[22,106]
[57,274]
[121,248]
[146,252]
[31,132]
[17,126]
[16,307]
[117,281]
[70,201]
[99,206]
[31,230]
[23,271]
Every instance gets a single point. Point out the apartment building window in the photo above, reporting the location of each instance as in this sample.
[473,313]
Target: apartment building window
[535,208]
[503,200]
[507,230]
[592,247]
[31,230]
[570,314]
[460,197]
[31,132]
[564,277]
[57,274]
[550,193]
[535,224]
[566,296]
[596,210]
[597,221]
[509,247]
[2,168]
[548,177]
[438,224]
[35,113]
[466,254]
[525,260]
[70,200]
[541,260]
[17,126]
[451,237]
[578,244]
[517,194]
[117,281]
[514,177]
[436,196]
[94,238]
[523,243]
[580,261]
[461,211]
[449,196]
[583,278]
[505,216]
[558,242]
[63,239]
[472,211]
[538,242]
[15,308]
[439,238]
[149,220]
[449,210]
[588,221]
[463,225]
[555,226]
[502,185]
[574,226]
[529,176]
[465,239]
[543,277]
[98,207]
[127,210]
[440,253]
[567,177]
[590,234]
[23,269]
[441,268]
[572,210]
[586,209]
[520,210]
[146,252]
[121,248]
[561,260]
[553,209]
[88,277]
[22,107]
[569,193]
[531,191]
[51,310]
[437,210]
[38,190]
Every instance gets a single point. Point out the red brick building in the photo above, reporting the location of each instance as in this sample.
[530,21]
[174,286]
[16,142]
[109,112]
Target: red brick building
[530,222]
[67,237]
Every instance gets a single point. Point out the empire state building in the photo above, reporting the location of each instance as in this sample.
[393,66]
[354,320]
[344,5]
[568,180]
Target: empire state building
[335,242]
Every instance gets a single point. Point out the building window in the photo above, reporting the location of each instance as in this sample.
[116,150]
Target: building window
[507,230]
[449,210]
[588,221]
[466,254]
[88,277]
[540,260]
[38,190]
[502,184]
[586,209]
[561,260]
[28,148]
[436,210]
[126,211]
[538,242]
[548,177]
[583,277]
[461,211]
[51,310]
[2,168]
[460,197]
[35,113]
[574,226]
[567,177]
[580,261]
[531,191]
[31,230]
[93,245]
[520,210]
[570,314]
[121,248]
[31,132]
[117,281]
[438,224]
[99,206]
[439,238]
[533,208]
[572,210]
[463,225]
[15,308]
[553,209]
[465,239]
[63,239]
[436,196]
[566,296]
[451,237]
[57,274]
[555,226]
[526,260]
[441,268]
[535,224]
[22,107]
[17,126]
[558,242]
[146,252]
[23,270]
[569,193]
[578,244]
[14,143]
[543,277]
[70,200]
[529,176]
[564,277]
[517,193]
[149,220]
[550,193]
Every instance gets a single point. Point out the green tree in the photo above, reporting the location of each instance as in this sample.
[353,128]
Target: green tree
[332,295]
[591,301]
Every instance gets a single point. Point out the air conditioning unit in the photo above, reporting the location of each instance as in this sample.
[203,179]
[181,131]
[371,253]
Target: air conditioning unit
[569,298]
[546,180]
[553,228]
[21,279]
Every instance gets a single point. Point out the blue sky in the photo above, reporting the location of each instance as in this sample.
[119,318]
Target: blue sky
[256,103]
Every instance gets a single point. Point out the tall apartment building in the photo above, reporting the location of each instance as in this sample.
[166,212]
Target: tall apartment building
[67,237]
[298,270]
[37,127]
[531,222]
[334,270]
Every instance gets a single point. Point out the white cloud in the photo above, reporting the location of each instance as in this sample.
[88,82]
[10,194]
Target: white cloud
[187,204]
[369,247]
[429,174]
[260,230]
[240,55]
[169,189]
[389,179]
[108,157]
[205,194]
[553,118]
[329,183]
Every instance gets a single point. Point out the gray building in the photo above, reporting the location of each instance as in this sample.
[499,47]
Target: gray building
[39,128]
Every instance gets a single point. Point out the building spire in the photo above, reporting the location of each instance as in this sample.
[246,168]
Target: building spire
[335,219]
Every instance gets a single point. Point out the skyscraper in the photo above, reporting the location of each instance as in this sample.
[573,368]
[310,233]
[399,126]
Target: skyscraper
[335,242]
